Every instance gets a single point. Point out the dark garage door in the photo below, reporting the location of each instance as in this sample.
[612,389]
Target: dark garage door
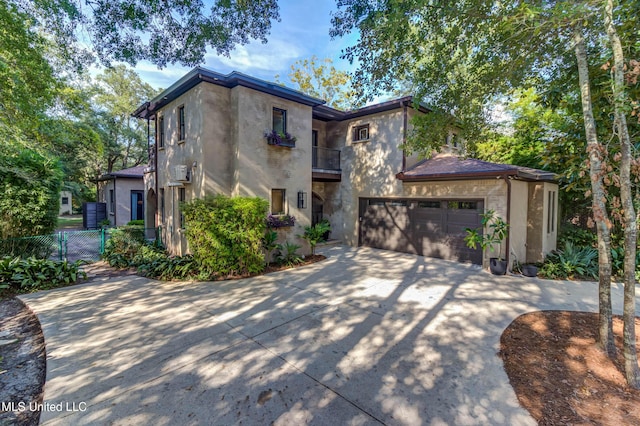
[434,228]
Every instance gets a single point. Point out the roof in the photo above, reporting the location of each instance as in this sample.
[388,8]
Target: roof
[233,79]
[326,113]
[136,172]
[451,167]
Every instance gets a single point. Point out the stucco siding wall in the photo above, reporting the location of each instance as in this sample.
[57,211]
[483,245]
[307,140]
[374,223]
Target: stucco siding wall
[122,209]
[262,167]
[66,208]
[518,222]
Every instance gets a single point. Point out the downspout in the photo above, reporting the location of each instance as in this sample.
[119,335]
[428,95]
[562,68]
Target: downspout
[404,137]
[115,203]
[508,255]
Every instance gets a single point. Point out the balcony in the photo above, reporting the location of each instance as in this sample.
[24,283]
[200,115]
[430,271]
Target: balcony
[326,165]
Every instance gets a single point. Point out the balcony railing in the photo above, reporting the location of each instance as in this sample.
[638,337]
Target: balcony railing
[325,158]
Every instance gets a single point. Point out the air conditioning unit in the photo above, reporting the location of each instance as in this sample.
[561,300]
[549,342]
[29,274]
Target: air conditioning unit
[181,173]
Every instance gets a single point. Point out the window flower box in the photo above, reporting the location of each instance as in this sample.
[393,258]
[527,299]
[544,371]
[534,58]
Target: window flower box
[280,221]
[280,139]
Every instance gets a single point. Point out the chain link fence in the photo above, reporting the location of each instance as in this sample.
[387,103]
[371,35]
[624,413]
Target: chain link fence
[67,245]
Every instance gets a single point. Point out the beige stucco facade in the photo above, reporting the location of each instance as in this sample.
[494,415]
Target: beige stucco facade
[119,211]
[226,152]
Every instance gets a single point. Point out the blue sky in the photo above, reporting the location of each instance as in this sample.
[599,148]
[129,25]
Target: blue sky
[302,32]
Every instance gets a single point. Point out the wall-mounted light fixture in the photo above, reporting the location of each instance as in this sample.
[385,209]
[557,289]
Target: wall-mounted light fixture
[302,200]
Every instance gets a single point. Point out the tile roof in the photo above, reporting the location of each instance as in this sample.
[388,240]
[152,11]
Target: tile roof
[451,167]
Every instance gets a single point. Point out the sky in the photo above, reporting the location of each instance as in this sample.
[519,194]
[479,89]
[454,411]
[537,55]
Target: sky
[302,32]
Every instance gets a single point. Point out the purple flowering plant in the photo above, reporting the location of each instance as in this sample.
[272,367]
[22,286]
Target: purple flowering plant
[277,138]
[279,221]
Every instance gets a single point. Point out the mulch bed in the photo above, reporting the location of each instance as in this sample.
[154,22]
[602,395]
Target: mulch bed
[22,363]
[560,375]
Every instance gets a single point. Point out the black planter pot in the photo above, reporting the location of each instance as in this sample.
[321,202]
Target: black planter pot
[529,270]
[497,266]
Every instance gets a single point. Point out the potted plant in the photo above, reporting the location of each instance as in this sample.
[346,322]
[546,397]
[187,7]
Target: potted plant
[278,138]
[496,232]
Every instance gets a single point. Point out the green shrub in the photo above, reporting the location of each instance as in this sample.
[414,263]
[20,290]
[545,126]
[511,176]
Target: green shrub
[225,234]
[172,268]
[315,234]
[137,222]
[577,236]
[123,244]
[25,275]
[41,246]
[286,254]
[269,243]
[571,261]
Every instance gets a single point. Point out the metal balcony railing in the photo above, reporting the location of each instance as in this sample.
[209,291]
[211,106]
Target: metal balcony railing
[325,158]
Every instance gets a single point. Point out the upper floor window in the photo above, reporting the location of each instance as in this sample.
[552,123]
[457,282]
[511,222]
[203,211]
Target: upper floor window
[279,120]
[160,132]
[361,133]
[181,127]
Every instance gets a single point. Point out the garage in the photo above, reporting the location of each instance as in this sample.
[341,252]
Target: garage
[429,227]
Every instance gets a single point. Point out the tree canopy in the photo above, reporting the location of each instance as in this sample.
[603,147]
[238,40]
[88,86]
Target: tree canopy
[161,32]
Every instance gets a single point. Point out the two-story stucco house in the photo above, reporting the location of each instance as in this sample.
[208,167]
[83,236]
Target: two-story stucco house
[346,167]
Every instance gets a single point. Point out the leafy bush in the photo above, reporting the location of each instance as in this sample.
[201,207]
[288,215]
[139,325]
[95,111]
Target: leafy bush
[280,221]
[617,262]
[570,262]
[577,236]
[137,222]
[30,184]
[269,243]
[25,275]
[315,234]
[286,254]
[170,268]
[225,234]
[123,244]
[496,232]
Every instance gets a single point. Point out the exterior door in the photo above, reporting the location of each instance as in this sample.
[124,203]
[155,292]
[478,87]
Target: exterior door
[137,205]
[433,228]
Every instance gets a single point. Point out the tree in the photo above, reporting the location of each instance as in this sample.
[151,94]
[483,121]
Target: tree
[464,55]
[621,104]
[322,80]
[118,92]
[157,31]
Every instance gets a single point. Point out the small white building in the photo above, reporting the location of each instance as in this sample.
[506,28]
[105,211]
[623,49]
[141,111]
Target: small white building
[123,192]
[65,203]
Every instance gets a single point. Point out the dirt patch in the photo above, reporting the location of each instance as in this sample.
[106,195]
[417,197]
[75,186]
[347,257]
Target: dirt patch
[22,364]
[559,374]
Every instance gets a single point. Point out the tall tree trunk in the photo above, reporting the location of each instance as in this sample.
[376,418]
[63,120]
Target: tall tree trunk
[595,152]
[626,197]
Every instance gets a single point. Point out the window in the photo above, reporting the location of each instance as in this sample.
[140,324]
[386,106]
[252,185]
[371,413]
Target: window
[314,152]
[551,213]
[181,130]
[162,205]
[181,199]
[277,201]
[428,204]
[361,133]
[160,132]
[464,205]
[376,202]
[279,120]
[112,201]
[65,201]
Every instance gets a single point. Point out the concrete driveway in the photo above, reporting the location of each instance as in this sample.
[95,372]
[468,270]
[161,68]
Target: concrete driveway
[365,337]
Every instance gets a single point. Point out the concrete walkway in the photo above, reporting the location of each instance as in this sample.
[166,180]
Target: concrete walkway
[365,337]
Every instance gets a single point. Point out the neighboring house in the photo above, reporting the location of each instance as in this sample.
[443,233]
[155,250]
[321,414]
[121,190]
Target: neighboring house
[65,203]
[124,193]
[346,167]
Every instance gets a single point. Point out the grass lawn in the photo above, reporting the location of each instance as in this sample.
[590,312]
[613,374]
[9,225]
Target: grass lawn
[66,221]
